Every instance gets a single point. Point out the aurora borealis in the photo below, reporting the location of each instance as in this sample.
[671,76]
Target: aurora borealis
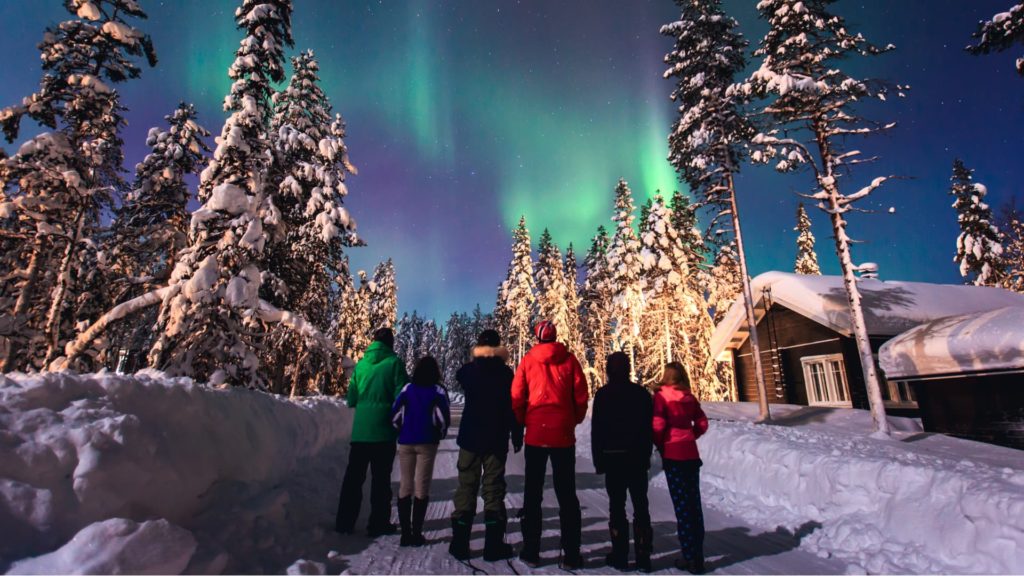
[464,114]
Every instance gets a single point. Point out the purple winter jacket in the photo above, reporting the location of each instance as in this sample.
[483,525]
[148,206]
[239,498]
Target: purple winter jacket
[421,414]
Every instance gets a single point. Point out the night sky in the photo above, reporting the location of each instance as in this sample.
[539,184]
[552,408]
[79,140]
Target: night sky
[464,114]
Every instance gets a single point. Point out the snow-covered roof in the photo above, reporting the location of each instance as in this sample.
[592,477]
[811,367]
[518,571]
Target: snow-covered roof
[968,343]
[890,307]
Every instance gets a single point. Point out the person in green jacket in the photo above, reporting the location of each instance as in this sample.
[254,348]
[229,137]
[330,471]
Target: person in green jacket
[376,381]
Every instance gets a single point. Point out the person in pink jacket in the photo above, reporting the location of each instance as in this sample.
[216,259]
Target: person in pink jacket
[678,422]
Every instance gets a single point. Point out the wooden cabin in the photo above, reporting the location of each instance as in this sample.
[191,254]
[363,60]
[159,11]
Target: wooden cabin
[807,348]
[967,373]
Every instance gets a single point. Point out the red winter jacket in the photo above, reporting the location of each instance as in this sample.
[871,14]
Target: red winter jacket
[549,395]
[678,422]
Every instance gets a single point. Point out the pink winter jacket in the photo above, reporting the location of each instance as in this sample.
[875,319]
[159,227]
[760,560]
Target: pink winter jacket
[678,422]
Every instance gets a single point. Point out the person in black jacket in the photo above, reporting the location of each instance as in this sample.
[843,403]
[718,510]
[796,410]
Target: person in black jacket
[622,445]
[486,427]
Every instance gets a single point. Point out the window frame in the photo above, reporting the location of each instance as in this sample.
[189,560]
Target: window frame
[830,385]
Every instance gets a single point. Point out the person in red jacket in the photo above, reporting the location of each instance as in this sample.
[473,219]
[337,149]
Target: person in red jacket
[549,397]
[678,422]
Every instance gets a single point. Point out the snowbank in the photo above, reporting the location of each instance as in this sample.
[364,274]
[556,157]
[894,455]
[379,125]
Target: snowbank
[80,449]
[882,506]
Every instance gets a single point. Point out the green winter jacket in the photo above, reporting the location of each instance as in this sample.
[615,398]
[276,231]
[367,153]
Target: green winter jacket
[376,381]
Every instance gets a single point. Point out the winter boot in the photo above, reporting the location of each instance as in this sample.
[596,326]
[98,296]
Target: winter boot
[495,547]
[404,520]
[531,527]
[571,524]
[419,513]
[461,527]
[643,545]
[619,534]
[695,566]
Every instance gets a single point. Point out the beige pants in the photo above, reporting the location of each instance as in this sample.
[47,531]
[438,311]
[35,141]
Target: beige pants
[416,465]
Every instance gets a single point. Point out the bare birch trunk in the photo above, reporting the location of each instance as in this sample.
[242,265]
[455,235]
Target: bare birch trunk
[860,332]
[764,414]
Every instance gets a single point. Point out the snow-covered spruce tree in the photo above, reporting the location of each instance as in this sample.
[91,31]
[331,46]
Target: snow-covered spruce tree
[383,296]
[57,185]
[806,257]
[596,308]
[552,291]
[1001,33]
[623,261]
[518,296]
[211,327]
[403,336]
[458,341]
[979,250]
[707,143]
[667,299]
[807,92]
[309,170]
[151,226]
[573,337]
[1012,227]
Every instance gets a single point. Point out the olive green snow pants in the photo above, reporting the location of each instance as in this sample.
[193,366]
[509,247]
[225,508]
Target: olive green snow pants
[472,468]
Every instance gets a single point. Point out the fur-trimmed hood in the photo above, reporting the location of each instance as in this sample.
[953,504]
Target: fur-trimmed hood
[490,352]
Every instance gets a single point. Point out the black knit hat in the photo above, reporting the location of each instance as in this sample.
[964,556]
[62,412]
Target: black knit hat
[489,338]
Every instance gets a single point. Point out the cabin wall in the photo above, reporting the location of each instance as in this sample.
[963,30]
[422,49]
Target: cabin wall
[984,408]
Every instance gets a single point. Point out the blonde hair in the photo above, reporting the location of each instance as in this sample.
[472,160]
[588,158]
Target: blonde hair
[682,379]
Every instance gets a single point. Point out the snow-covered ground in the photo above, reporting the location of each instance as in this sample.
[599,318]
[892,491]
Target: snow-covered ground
[143,474]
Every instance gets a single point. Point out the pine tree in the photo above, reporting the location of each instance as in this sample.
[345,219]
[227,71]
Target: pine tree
[806,89]
[596,307]
[806,258]
[383,296]
[57,185]
[572,330]
[707,142]
[517,295]
[623,261]
[552,291]
[1001,33]
[210,328]
[979,250]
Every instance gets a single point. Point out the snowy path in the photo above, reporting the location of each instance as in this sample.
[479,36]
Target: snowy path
[732,547]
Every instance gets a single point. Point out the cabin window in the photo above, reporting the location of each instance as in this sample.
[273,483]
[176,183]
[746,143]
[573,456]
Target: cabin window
[896,394]
[825,378]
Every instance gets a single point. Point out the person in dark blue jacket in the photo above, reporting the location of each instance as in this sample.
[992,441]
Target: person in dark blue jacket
[486,427]
[421,414]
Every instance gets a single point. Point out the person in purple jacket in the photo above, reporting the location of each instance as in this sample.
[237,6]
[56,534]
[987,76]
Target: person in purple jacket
[421,415]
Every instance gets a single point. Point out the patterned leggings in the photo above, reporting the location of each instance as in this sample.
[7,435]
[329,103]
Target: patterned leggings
[684,485]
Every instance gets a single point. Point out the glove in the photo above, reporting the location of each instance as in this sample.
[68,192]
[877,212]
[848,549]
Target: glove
[517,446]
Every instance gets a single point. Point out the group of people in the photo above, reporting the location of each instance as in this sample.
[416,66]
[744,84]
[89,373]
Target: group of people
[536,408]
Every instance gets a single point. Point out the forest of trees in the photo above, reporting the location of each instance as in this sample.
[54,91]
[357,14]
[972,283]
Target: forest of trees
[254,287]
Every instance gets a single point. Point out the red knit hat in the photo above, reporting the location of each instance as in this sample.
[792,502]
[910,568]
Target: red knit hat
[545,331]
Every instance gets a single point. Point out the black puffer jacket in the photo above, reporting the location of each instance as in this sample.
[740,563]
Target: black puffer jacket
[621,424]
[487,419]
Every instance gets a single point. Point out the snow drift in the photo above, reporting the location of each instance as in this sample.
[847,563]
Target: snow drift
[76,450]
[883,506]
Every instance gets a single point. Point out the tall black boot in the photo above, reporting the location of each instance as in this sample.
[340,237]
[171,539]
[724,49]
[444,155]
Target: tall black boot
[461,527]
[643,545]
[618,531]
[495,547]
[572,527]
[531,527]
[404,520]
[419,513]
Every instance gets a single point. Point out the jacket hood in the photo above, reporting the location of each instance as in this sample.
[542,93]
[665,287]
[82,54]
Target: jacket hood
[378,352]
[490,352]
[549,352]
